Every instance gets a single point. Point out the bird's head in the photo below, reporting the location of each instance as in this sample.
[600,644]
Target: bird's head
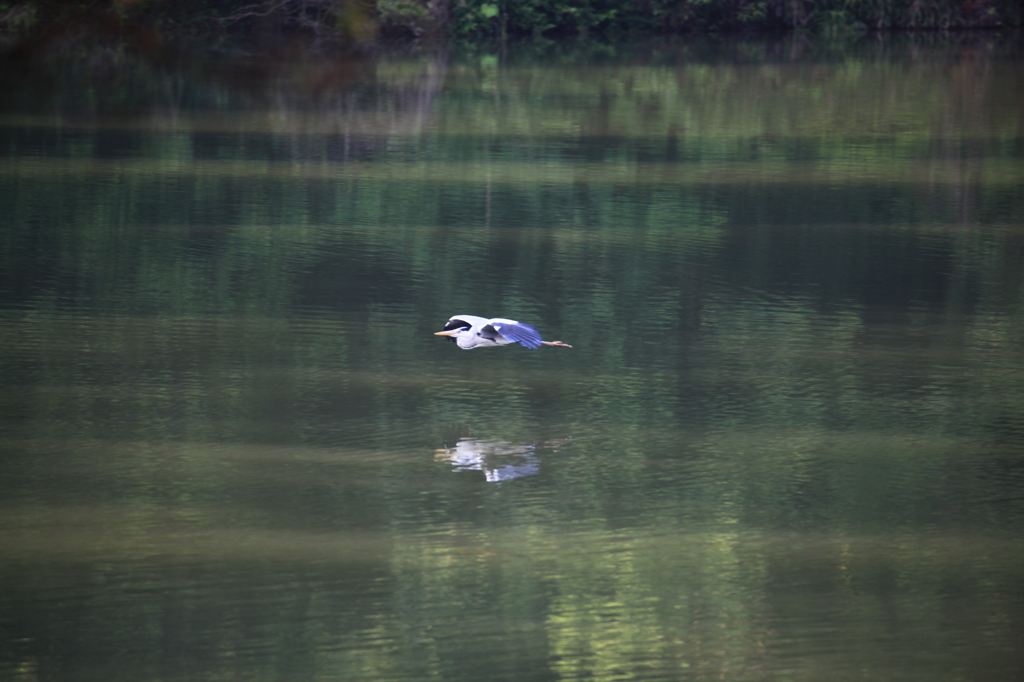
[453,334]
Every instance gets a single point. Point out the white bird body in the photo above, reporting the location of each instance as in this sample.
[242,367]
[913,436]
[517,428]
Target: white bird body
[471,331]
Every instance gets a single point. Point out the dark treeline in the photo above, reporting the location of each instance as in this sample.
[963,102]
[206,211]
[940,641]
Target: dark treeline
[363,21]
[610,17]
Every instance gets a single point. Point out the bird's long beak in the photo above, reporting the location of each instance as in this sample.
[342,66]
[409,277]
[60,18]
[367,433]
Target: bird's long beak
[450,332]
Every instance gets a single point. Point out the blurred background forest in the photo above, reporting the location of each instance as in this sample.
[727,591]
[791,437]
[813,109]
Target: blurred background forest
[27,25]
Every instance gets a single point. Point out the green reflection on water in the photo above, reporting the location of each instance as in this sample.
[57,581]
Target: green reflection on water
[785,445]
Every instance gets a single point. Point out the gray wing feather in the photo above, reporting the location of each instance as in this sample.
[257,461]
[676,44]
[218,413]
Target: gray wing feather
[517,332]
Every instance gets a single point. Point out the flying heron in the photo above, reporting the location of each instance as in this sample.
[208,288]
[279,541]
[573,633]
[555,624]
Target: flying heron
[470,331]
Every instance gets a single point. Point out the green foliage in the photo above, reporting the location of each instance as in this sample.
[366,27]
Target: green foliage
[489,18]
[404,16]
[483,20]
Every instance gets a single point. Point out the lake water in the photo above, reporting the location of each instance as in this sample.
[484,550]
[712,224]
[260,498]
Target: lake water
[788,443]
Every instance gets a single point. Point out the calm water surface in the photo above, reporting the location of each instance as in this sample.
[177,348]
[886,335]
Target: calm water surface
[787,445]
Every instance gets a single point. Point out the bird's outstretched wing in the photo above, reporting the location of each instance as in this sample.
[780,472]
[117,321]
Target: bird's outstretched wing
[517,332]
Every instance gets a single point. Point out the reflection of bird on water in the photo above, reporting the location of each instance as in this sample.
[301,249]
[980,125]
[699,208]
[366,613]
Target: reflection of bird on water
[470,331]
[500,461]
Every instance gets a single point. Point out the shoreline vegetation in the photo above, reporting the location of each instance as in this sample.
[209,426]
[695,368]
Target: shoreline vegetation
[27,28]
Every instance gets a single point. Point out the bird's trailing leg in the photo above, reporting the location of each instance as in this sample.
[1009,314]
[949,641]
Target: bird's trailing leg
[556,343]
